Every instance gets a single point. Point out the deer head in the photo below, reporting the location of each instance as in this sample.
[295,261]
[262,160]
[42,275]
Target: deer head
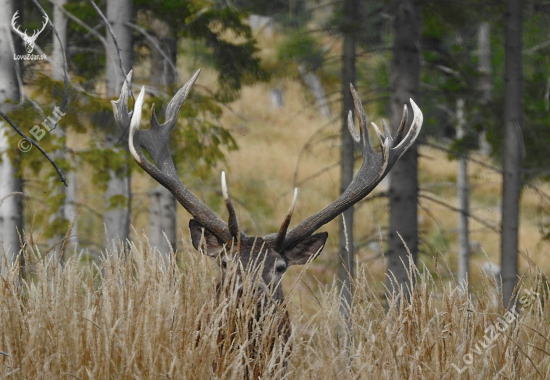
[264,258]
[29,40]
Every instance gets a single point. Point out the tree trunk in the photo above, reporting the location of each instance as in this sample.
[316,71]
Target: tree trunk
[346,271]
[162,71]
[277,97]
[67,211]
[162,220]
[314,84]
[484,48]
[403,190]
[11,207]
[119,12]
[162,204]
[463,195]
[511,152]
[60,23]
[117,218]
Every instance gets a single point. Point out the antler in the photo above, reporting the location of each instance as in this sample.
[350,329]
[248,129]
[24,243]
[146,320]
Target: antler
[155,141]
[16,28]
[36,32]
[373,169]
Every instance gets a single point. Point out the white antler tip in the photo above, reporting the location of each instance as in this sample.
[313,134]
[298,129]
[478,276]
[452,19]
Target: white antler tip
[381,137]
[415,108]
[136,117]
[387,132]
[352,130]
[225,192]
[293,204]
[418,116]
[135,122]
[294,198]
[194,78]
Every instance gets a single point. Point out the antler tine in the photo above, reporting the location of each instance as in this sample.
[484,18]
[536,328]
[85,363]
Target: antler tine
[155,140]
[46,20]
[16,28]
[387,131]
[373,169]
[177,101]
[120,106]
[281,236]
[414,131]
[232,222]
[134,126]
[352,130]
[381,137]
[401,129]
[363,125]
[44,24]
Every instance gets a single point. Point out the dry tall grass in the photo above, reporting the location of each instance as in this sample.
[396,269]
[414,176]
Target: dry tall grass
[138,318]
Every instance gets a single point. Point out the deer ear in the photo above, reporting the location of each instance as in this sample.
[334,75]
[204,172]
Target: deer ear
[203,240]
[306,249]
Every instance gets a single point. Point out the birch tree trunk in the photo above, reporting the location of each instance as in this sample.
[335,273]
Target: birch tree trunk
[117,217]
[403,190]
[66,211]
[162,220]
[484,48]
[312,81]
[162,204]
[511,153]
[463,195]
[11,207]
[60,23]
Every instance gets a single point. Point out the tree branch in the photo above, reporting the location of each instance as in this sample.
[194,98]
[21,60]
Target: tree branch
[112,33]
[152,39]
[470,215]
[469,158]
[14,126]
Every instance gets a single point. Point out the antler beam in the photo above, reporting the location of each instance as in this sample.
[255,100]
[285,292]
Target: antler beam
[373,169]
[155,141]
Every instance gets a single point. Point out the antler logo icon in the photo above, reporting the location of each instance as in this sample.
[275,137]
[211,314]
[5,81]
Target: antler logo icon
[29,40]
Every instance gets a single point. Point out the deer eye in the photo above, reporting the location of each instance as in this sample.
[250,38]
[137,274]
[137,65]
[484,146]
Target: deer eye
[224,264]
[280,268]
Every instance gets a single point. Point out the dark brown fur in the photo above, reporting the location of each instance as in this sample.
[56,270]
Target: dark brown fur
[250,280]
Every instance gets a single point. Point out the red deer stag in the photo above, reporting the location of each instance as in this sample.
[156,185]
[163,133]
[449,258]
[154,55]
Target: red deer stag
[264,259]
